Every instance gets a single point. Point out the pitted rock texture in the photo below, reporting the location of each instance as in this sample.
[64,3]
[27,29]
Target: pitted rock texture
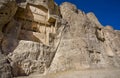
[39,37]
[89,45]
[5,68]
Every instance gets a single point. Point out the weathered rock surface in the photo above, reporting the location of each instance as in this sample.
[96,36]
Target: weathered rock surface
[85,43]
[5,68]
[38,37]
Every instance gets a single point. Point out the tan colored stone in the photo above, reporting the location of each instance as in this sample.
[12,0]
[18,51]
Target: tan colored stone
[42,38]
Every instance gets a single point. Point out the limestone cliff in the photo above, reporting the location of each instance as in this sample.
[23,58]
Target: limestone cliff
[40,37]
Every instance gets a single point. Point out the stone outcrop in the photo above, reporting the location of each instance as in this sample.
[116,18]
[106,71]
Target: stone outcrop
[89,44]
[5,68]
[39,37]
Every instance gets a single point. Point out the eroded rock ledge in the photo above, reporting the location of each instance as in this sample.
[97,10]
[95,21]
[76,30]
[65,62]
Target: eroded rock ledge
[39,37]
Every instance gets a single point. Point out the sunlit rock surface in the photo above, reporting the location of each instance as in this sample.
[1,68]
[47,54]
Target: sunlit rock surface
[39,39]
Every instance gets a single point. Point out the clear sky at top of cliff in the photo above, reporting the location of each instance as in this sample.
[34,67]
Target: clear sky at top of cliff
[107,11]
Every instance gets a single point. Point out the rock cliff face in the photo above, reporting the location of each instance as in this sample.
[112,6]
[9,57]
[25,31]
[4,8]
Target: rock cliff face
[38,37]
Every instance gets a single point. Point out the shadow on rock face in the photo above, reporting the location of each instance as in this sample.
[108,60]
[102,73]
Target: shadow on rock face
[20,1]
[7,11]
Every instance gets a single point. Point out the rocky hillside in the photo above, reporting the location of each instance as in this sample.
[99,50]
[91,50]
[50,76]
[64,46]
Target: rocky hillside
[40,37]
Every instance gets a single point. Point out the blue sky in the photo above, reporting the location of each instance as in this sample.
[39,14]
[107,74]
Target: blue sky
[107,11]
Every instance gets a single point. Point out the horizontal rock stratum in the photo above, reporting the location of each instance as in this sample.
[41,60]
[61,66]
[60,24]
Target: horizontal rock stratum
[39,39]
